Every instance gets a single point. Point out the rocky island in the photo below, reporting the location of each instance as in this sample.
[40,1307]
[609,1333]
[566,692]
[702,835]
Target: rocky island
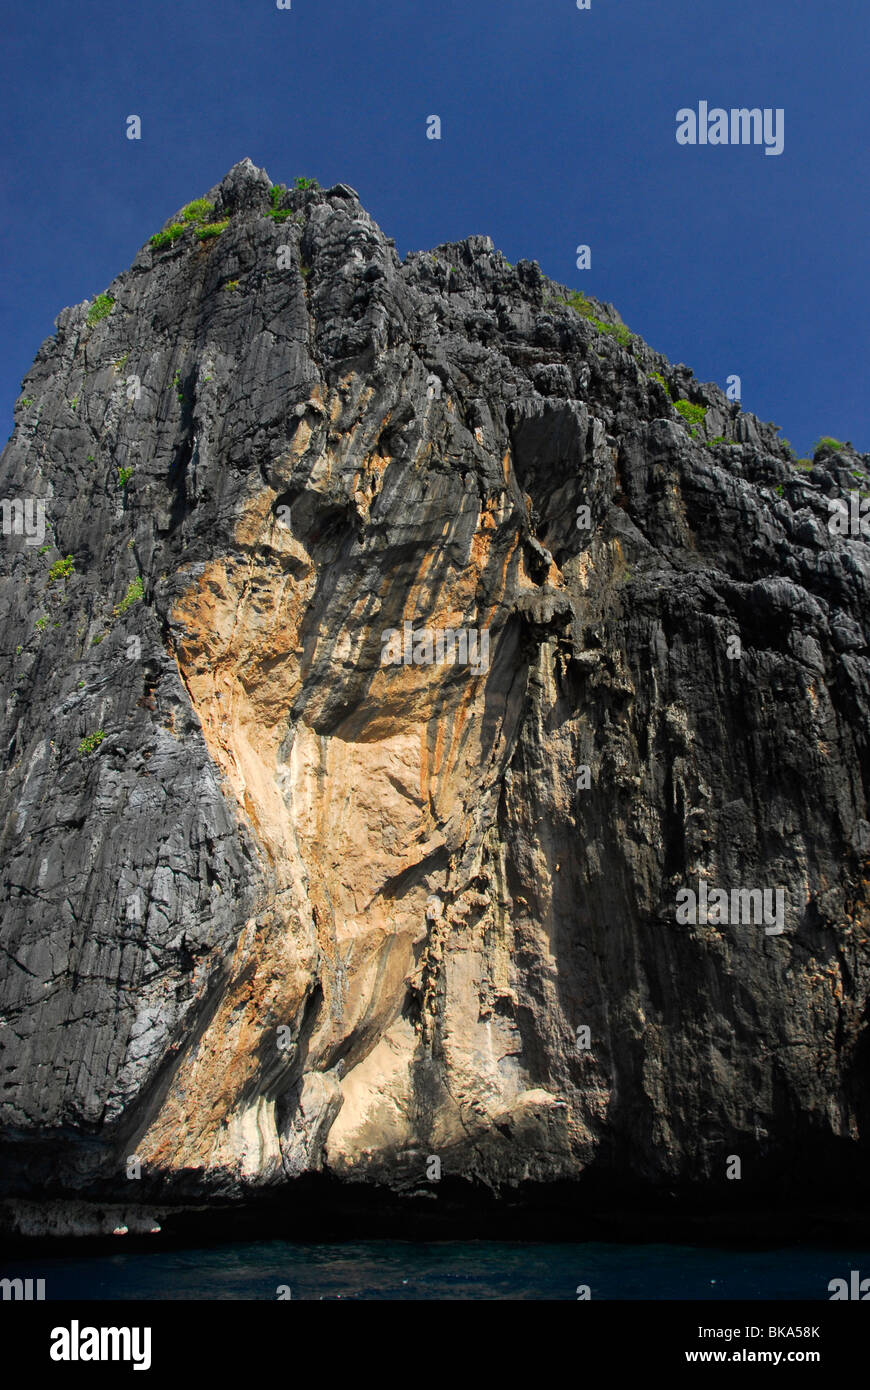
[389,647]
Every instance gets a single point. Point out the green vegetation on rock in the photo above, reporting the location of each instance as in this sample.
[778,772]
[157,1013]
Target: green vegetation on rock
[91,742]
[199,217]
[61,569]
[101,308]
[276,193]
[166,238]
[581,305]
[212,229]
[135,590]
[198,210]
[692,414]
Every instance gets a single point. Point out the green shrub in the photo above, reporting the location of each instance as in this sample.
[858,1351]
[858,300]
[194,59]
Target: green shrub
[805,465]
[231,285]
[135,590]
[61,569]
[578,301]
[176,382]
[618,331]
[124,476]
[91,742]
[301,183]
[581,305]
[276,193]
[212,229]
[692,414]
[166,238]
[101,637]
[101,308]
[26,401]
[198,210]
[657,376]
[827,442]
[41,623]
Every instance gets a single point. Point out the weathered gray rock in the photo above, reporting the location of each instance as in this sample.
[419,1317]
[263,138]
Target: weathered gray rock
[298,910]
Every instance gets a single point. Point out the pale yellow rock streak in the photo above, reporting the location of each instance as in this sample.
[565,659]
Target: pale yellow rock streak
[339,819]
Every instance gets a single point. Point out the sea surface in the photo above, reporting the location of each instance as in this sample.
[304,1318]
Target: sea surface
[415,1270]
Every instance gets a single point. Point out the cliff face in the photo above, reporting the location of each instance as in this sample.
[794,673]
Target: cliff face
[284,892]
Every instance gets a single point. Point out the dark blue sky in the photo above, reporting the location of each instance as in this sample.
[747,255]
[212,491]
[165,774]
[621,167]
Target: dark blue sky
[558,128]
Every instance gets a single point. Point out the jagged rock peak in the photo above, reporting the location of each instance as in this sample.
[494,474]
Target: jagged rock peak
[389,648]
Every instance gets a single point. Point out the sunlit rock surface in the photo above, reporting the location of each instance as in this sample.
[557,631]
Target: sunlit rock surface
[304,909]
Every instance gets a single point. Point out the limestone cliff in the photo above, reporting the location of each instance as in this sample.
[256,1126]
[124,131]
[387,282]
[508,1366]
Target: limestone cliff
[285,893]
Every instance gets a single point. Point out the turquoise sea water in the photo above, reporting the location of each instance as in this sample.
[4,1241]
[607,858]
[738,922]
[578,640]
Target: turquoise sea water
[370,1269]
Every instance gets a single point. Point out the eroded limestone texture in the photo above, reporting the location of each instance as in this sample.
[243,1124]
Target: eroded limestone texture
[394,865]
